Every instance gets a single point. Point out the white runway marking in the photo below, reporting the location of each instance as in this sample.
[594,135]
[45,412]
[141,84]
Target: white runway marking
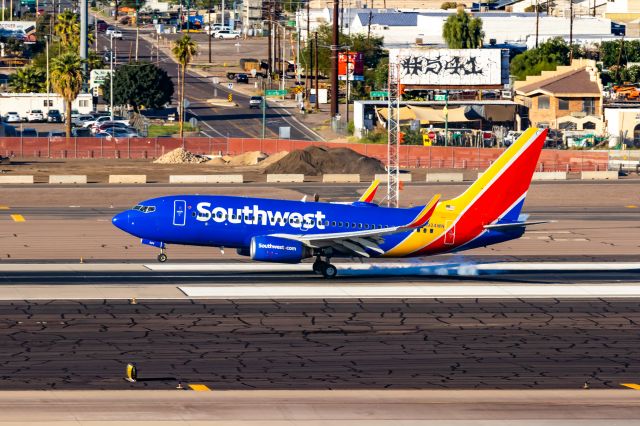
[454,291]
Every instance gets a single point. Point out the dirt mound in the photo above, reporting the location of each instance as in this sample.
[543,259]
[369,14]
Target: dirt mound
[179,156]
[250,158]
[273,158]
[316,160]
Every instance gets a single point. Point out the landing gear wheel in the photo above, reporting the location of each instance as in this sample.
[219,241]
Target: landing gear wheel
[317,266]
[329,271]
[162,258]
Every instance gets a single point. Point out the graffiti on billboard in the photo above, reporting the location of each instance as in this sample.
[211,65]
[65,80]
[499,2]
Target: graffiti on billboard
[450,67]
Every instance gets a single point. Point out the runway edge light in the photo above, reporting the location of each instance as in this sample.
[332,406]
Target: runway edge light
[131,373]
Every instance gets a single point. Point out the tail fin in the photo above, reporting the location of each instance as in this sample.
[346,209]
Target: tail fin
[498,194]
[370,193]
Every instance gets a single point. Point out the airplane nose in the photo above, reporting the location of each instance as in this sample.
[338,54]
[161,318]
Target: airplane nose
[121,221]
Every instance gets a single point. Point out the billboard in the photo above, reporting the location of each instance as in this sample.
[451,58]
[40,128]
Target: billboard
[351,63]
[98,77]
[451,67]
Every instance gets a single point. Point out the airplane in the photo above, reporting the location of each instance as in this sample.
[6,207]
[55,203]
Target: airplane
[284,231]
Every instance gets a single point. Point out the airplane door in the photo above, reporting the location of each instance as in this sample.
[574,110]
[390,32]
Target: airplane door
[179,212]
[450,235]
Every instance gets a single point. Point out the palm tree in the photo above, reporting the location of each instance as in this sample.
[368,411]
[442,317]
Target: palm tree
[183,50]
[27,80]
[67,78]
[68,29]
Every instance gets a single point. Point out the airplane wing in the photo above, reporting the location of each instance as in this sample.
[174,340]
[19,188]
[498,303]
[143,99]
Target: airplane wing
[513,225]
[357,242]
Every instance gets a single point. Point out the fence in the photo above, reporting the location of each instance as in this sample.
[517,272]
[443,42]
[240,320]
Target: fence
[437,157]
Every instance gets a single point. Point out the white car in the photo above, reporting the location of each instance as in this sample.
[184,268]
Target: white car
[214,29]
[35,116]
[116,34]
[227,34]
[12,117]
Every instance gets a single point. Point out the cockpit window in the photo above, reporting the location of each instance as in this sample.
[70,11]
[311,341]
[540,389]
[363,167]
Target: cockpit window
[145,209]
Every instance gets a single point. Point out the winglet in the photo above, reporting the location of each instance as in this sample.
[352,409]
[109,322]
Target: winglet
[368,195]
[423,217]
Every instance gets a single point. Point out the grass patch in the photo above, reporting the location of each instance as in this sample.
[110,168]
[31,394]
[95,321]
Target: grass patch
[159,130]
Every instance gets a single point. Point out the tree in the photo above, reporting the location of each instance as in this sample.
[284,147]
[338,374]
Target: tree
[28,80]
[546,57]
[66,79]
[461,31]
[140,84]
[184,49]
[67,28]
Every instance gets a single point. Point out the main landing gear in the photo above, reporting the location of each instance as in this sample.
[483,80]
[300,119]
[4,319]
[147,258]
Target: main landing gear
[325,268]
[162,257]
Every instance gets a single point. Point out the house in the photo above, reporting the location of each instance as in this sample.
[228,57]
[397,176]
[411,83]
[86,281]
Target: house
[623,10]
[569,98]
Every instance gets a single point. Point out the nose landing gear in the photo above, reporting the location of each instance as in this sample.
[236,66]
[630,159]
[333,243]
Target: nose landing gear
[162,257]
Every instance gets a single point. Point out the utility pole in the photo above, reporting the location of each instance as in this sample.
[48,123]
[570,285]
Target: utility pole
[111,78]
[309,46]
[537,22]
[269,37]
[210,28]
[315,52]
[222,13]
[334,59]
[84,18]
[137,27]
[570,31]
[46,41]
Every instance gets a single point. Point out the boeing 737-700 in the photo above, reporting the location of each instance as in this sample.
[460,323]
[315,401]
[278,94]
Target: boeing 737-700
[488,212]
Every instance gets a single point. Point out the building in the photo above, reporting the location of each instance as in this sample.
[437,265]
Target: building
[251,15]
[24,102]
[623,10]
[404,29]
[623,125]
[569,98]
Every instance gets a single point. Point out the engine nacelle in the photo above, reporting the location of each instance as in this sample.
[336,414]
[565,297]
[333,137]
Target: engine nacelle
[280,250]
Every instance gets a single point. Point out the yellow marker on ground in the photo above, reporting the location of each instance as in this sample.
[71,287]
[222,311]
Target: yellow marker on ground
[4,207]
[631,206]
[17,218]
[631,385]
[198,387]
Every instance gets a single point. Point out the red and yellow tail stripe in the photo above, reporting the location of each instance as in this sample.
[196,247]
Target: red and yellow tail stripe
[370,193]
[457,221]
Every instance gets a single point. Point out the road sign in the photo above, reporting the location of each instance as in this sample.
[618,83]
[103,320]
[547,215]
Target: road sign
[379,94]
[432,135]
[440,98]
[426,139]
[215,80]
[230,97]
[275,92]
[186,103]
[230,85]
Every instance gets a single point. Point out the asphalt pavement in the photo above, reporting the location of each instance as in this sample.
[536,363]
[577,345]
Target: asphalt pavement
[315,344]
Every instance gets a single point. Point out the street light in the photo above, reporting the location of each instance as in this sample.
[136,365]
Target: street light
[283,47]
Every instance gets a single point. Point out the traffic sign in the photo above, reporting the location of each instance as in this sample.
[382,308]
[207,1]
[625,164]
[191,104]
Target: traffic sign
[379,94]
[275,92]
[432,135]
[230,86]
[440,98]
[427,140]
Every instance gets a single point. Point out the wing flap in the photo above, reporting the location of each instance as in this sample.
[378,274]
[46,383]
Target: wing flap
[513,225]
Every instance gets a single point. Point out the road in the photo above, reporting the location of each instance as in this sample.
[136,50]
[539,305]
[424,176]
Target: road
[215,121]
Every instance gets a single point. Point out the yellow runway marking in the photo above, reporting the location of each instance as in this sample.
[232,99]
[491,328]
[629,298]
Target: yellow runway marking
[199,388]
[4,207]
[631,385]
[17,218]
[631,206]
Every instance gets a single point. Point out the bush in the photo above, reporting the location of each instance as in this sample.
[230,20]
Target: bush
[448,5]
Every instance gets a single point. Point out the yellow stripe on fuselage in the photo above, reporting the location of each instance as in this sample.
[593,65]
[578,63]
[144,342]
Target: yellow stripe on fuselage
[448,211]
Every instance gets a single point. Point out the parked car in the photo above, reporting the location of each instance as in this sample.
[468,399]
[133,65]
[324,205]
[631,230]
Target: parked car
[102,119]
[242,78]
[54,116]
[56,135]
[255,102]
[102,135]
[109,31]
[81,132]
[12,117]
[109,124]
[511,137]
[116,34]
[35,116]
[216,28]
[119,132]
[227,34]
[29,133]
[80,120]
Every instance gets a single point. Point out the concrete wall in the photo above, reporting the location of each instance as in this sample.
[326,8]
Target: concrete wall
[16,179]
[274,178]
[128,179]
[384,178]
[341,178]
[205,179]
[608,175]
[68,179]
[445,177]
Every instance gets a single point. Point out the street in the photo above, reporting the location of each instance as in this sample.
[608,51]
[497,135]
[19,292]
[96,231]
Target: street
[214,120]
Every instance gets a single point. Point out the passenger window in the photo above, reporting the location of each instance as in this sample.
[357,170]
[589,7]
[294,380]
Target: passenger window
[333,223]
[431,230]
[340,224]
[360,225]
[326,223]
[353,225]
[366,226]
[346,224]
[193,214]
